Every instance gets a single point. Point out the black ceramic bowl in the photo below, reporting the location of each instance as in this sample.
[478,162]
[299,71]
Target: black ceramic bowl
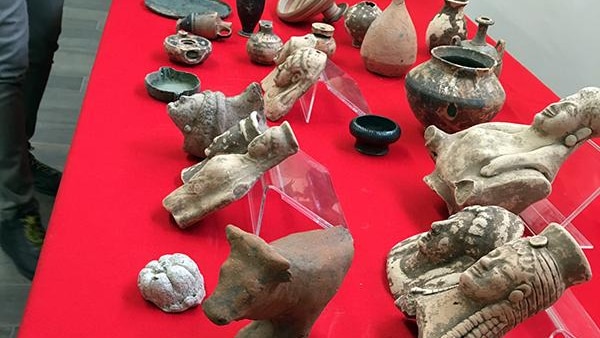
[168,84]
[374,134]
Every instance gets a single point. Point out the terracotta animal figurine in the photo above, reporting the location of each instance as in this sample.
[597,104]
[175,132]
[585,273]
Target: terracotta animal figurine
[290,80]
[202,117]
[432,261]
[283,286]
[511,165]
[228,177]
[505,287]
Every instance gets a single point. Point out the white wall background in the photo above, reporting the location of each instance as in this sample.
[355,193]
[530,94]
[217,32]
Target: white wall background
[559,41]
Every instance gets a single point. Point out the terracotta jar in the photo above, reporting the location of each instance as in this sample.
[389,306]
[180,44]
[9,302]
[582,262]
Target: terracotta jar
[263,46]
[325,41]
[358,19]
[390,45]
[450,21]
[455,89]
[209,25]
[478,42]
[298,11]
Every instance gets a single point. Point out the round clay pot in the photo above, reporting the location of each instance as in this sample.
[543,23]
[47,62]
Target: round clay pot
[358,19]
[263,46]
[374,134]
[298,11]
[450,21]
[455,89]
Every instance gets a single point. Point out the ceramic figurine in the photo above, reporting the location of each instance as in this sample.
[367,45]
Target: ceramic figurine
[290,80]
[455,89]
[202,117]
[263,46]
[234,141]
[390,45]
[478,43]
[208,25]
[302,10]
[282,286]
[449,22]
[187,48]
[507,164]
[249,12]
[358,19]
[173,283]
[505,287]
[226,178]
[293,44]
[432,261]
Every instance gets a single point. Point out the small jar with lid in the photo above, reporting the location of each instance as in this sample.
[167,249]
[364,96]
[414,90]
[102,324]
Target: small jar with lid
[325,41]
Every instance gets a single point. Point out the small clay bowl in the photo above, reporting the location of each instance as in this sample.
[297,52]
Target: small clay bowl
[374,134]
[168,84]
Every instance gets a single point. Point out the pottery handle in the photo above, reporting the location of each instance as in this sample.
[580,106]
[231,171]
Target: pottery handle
[500,47]
[455,41]
[224,29]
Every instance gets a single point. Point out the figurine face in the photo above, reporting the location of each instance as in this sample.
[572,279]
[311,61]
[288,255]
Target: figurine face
[285,75]
[558,118]
[445,237]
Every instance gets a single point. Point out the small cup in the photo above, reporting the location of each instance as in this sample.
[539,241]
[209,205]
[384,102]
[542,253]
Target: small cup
[374,134]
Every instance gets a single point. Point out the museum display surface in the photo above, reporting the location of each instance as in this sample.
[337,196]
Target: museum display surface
[126,156]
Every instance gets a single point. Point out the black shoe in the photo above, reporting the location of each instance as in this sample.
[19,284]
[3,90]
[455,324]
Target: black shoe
[45,179]
[21,238]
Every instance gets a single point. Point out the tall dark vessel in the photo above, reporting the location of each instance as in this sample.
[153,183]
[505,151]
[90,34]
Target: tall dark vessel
[249,12]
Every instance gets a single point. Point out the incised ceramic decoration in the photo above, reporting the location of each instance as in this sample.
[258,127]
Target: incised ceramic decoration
[290,80]
[180,8]
[324,34]
[390,45]
[207,25]
[206,115]
[432,261]
[455,89]
[507,164]
[282,286]
[173,283]
[478,43]
[228,177]
[263,46]
[187,48]
[449,22]
[374,134]
[302,10]
[358,19]
[249,12]
[234,141]
[168,84]
[505,287]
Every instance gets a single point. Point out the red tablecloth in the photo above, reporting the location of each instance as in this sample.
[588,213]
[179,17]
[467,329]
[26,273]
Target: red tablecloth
[108,221]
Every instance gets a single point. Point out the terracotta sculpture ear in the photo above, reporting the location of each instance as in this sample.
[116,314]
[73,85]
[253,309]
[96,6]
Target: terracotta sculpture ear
[464,190]
[521,292]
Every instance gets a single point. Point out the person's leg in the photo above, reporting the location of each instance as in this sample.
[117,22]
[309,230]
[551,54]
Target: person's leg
[45,18]
[21,233]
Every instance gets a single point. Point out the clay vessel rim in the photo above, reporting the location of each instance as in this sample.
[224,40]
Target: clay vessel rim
[442,53]
[366,125]
[311,10]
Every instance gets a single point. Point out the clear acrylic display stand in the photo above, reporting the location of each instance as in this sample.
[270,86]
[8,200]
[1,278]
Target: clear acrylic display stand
[341,85]
[574,188]
[304,184]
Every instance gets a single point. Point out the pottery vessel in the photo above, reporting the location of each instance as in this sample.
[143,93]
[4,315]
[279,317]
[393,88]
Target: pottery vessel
[298,11]
[187,48]
[209,25]
[324,34]
[249,12]
[449,22]
[168,84]
[486,163]
[358,19]
[478,43]
[390,45]
[374,134]
[282,286]
[455,89]
[263,46]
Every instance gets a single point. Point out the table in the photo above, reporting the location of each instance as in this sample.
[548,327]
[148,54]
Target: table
[126,155]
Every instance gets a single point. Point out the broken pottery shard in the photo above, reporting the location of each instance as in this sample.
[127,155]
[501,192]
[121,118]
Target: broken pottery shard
[507,164]
[202,117]
[432,261]
[228,177]
[173,283]
[282,286]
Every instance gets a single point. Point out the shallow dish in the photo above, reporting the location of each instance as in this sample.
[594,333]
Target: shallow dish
[181,8]
[168,84]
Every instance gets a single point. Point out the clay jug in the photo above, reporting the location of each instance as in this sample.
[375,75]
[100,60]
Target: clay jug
[358,19]
[478,43]
[450,21]
[455,89]
[390,45]
[208,25]
[263,46]
[249,12]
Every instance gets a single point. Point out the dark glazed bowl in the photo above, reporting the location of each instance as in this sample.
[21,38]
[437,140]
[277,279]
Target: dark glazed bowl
[168,84]
[374,134]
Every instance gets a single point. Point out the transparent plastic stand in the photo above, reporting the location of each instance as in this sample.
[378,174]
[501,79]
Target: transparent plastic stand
[341,85]
[573,190]
[304,184]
